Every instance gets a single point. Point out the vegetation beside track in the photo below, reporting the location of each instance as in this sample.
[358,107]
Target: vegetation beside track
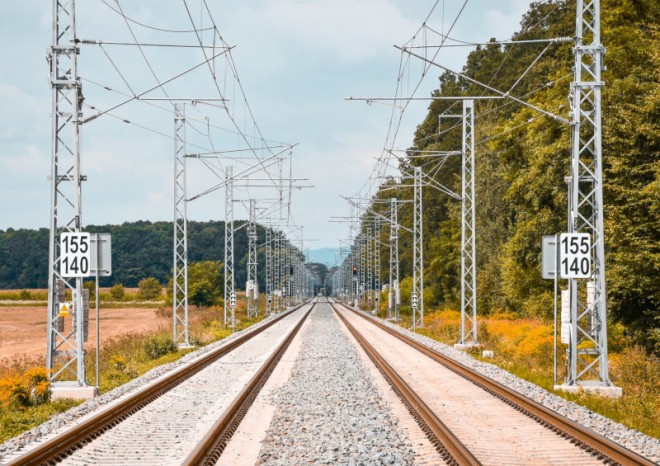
[25,393]
[524,348]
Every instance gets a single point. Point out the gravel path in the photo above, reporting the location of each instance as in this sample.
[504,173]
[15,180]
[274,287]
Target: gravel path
[330,411]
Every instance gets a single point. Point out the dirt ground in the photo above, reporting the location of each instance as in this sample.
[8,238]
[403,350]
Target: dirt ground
[23,329]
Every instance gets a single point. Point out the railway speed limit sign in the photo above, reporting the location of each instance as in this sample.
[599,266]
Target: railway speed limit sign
[75,255]
[574,255]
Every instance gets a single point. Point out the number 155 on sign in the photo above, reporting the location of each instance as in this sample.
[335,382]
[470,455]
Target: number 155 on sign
[574,255]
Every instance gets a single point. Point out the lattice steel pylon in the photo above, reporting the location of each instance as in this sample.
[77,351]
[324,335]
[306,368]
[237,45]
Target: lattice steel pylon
[286,285]
[468,249]
[376,264]
[418,253]
[180,263]
[587,352]
[251,288]
[369,256]
[277,271]
[269,271]
[394,295]
[65,354]
[230,293]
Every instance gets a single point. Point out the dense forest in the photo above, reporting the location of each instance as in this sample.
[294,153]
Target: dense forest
[139,250]
[523,157]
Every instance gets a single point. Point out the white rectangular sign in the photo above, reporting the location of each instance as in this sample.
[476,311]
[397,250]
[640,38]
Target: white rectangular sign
[75,251]
[574,255]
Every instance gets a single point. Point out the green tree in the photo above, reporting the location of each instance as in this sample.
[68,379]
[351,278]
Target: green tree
[149,289]
[205,284]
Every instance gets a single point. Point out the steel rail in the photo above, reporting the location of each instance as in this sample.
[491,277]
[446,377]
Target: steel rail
[209,449]
[587,439]
[61,446]
[443,439]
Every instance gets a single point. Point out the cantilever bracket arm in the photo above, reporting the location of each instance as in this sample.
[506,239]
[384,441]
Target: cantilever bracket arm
[429,181]
[505,95]
[377,214]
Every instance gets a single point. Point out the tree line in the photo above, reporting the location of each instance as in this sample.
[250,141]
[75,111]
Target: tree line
[522,161]
[140,250]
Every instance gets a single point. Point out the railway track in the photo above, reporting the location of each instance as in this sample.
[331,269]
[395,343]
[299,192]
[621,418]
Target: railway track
[447,438]
[63,447]
[486,423]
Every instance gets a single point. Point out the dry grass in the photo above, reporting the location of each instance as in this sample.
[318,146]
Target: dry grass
[30,296]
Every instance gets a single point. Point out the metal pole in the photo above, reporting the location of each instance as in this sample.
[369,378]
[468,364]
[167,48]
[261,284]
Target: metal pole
[418,257]
[65,352]
[98,315]
[369,257]
[251,286]
[588,351]
[556,280]
[377,265]
[180,267]
[278,273]
[229,248]
[394,255]
[468,249]
[269,271]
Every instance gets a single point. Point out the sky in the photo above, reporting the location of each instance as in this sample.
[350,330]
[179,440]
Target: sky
[297,61]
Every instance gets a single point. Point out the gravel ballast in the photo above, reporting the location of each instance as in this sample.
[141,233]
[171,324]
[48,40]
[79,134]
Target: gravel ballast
[634,440]
[330,411]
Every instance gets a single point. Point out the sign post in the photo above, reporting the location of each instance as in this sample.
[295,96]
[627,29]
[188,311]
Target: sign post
[101,265]
[550,270]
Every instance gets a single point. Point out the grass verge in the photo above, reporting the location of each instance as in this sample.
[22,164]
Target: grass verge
[122,359]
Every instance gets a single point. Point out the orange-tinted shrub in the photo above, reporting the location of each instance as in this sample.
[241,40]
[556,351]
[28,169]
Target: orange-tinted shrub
[31,388]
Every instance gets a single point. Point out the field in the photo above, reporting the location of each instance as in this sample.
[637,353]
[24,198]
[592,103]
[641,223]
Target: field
[23,328]
[136,336]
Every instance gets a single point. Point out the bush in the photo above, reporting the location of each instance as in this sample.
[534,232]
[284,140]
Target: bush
[157,346]
[149,289]
[30,388]
[91,286]
[117,292]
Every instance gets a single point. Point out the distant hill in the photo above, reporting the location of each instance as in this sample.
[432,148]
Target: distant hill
[326,256]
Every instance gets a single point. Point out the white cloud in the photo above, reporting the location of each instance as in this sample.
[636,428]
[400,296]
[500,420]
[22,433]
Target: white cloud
[503,21]
[348,30]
